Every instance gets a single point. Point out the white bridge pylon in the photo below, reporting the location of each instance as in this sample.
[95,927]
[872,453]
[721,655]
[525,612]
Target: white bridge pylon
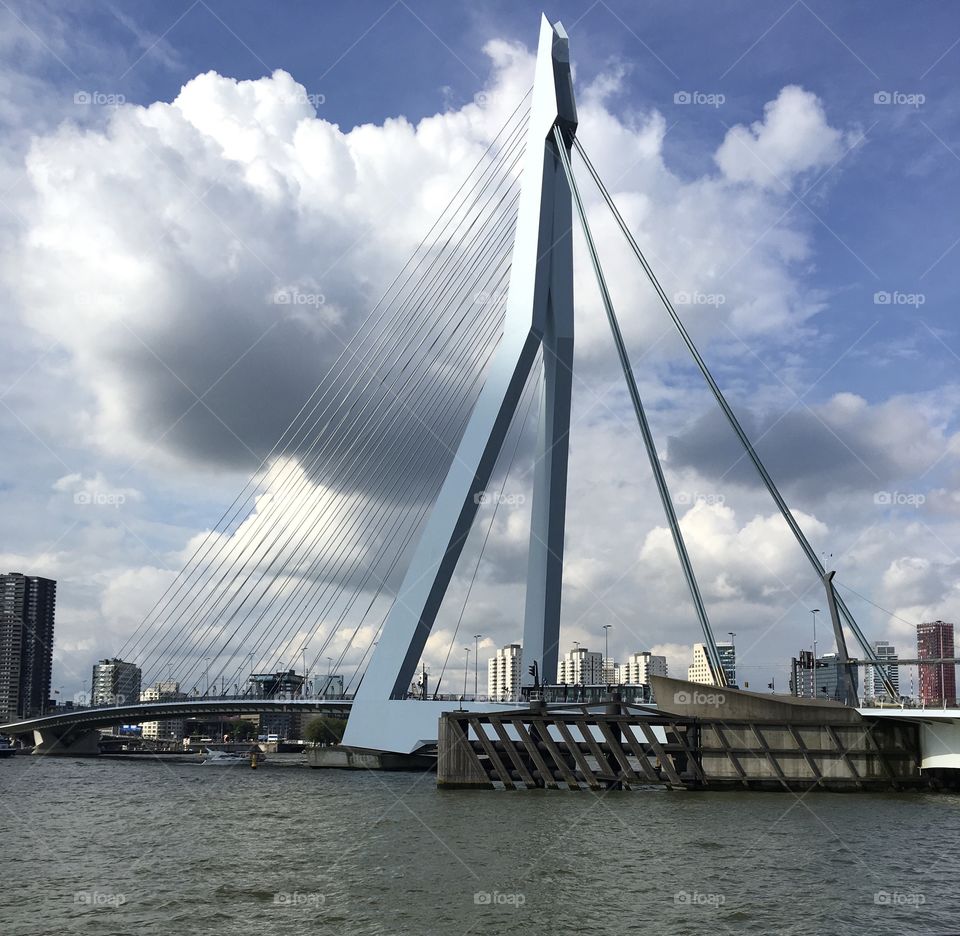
[539,313]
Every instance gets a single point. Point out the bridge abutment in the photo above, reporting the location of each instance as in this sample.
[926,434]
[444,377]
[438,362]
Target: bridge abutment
[66,742]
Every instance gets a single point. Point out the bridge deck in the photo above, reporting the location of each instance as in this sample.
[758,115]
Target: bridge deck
[107,715]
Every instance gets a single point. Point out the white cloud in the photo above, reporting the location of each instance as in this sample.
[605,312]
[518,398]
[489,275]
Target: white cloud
[155,244]
[794,137]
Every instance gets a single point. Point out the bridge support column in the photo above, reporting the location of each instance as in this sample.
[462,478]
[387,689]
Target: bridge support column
[66,742]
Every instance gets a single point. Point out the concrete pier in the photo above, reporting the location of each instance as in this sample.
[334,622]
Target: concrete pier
[697,738]
[344,757]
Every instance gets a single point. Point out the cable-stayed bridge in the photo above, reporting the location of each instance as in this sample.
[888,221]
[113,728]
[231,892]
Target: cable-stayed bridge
[339,552]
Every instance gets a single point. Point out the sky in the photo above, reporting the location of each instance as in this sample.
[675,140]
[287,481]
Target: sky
[790,168]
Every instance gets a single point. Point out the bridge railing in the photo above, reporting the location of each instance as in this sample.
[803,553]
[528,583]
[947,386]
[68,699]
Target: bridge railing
[120,701]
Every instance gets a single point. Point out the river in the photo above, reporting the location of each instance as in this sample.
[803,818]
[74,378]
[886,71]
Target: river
[105,847]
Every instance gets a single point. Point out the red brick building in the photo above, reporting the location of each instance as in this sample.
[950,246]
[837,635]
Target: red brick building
[938,681]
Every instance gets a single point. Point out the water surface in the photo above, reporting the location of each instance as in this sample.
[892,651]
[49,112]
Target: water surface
[102,847]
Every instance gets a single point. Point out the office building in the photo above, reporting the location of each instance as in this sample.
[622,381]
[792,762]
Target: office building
[823,681]
[326,687]
[580,667]
[114,682]
[170,729]
[873,688]
[27,609]
[699,670]
[641,666]
[287,684]
[504,674]
[938,681]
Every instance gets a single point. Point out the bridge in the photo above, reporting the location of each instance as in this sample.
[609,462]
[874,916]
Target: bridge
[72,731]
[343,544]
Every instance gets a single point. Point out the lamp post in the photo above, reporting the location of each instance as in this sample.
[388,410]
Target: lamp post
[466,668]
[303,690]
[815,612]
[606,653]
[476,665]
[206,676]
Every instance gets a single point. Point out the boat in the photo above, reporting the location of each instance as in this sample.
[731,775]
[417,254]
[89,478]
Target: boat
[6,748]
[229,758]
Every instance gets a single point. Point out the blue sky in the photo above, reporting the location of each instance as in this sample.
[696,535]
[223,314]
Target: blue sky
[375,60]
[872,211]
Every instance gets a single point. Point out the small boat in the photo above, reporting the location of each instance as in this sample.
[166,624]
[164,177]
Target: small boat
[6,748]
[228,758]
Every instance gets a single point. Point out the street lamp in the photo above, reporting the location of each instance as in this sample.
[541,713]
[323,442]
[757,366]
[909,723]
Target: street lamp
[606,653]
[206,675]
[466,667]
[476,664]
[815,612]
[303,690]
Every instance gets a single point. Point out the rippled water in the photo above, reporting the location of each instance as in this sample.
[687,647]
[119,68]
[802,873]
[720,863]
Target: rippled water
[105,847]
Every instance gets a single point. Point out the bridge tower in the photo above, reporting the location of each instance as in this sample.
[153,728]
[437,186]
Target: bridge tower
[539,314]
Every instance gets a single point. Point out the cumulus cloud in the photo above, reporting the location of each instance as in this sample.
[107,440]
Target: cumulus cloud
[845,443]
[794,137]
[157,242]
[749,562]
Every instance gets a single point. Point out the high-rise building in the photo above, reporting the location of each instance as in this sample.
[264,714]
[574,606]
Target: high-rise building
[580,667]
[938,681]
[27,609]
[823,681]
[504,672]
[801,675]
[641,666]
[728,662]
[873,688]
[114,682]
[170,728]
[699,671]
